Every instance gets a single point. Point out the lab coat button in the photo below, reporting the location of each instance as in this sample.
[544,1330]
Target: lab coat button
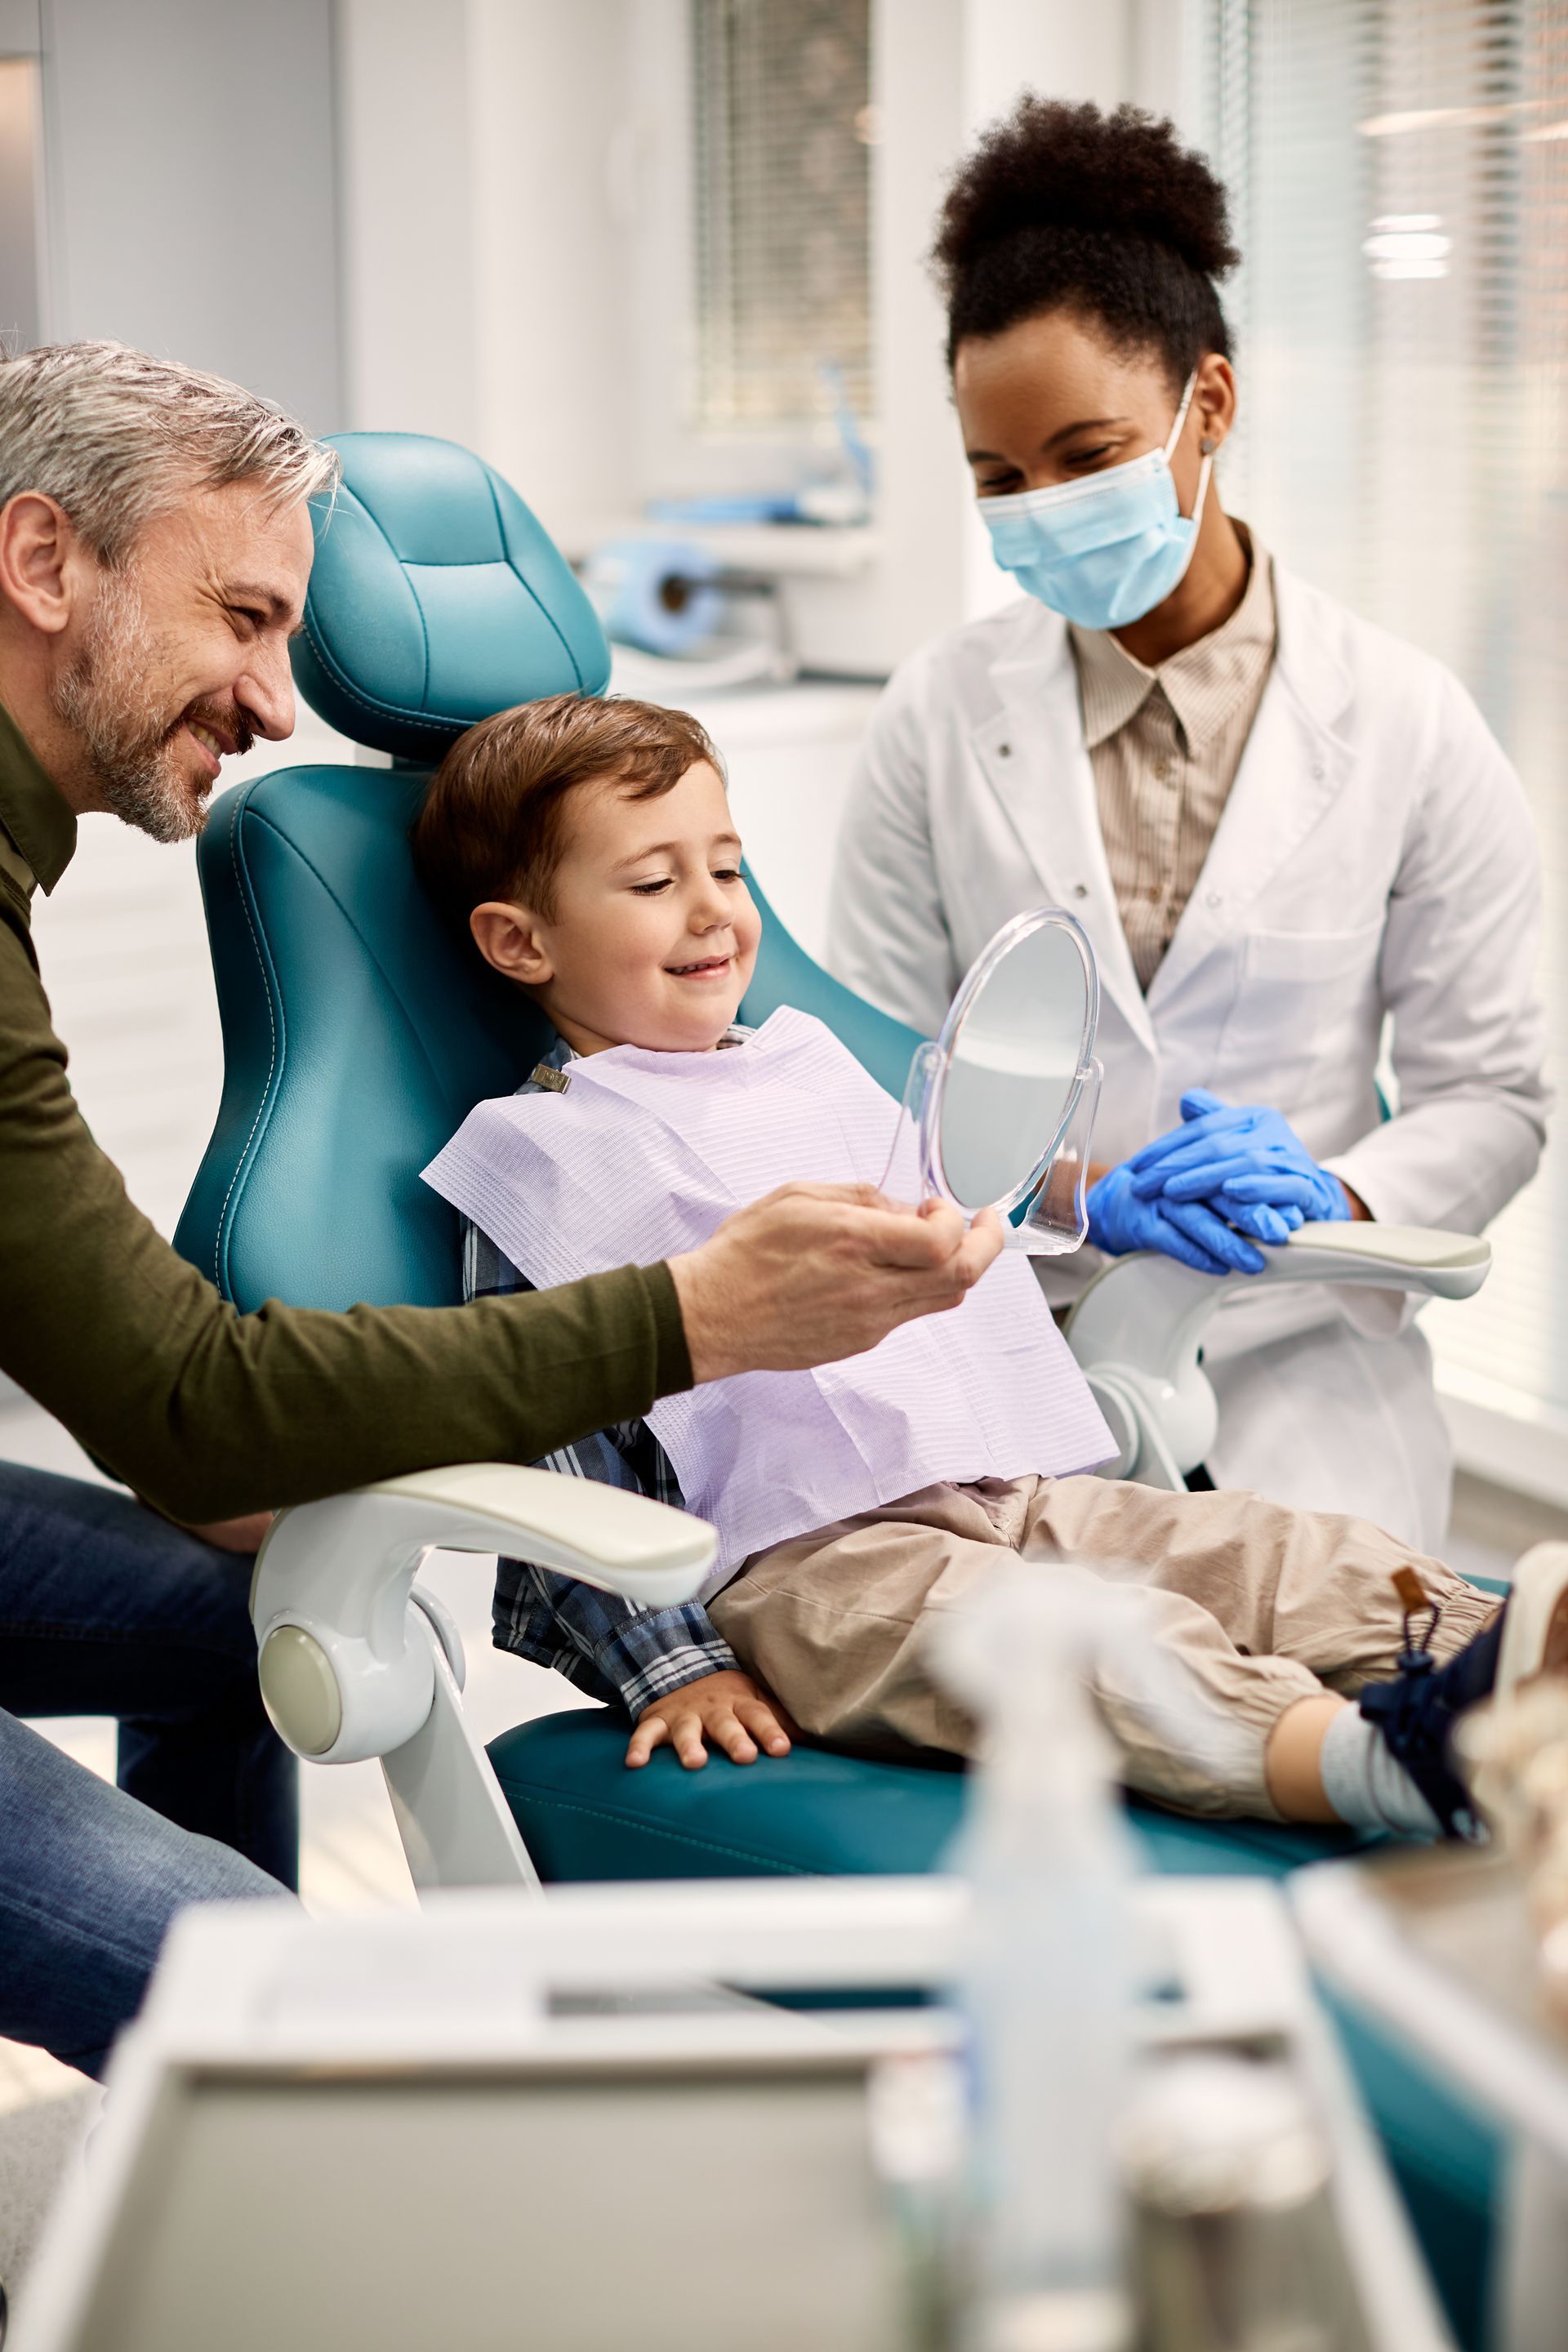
[1317,774]
[1003,750]
[1216,898]
[1080,889]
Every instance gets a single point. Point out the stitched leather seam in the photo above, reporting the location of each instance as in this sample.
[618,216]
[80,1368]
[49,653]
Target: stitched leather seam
[462,563]
[242,1166]
[316,875]
[366,702]
[548,616]
[674,1837]
[418,606]
[438,727]
[435,724]
[239,1165]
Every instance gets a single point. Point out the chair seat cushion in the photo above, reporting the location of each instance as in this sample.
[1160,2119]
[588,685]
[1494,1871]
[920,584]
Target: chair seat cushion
[583,1816]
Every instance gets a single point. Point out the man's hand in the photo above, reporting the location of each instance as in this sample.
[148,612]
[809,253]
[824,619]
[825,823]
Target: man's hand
[237,1535]
[243,1536]
[817,1272]
[728,1708]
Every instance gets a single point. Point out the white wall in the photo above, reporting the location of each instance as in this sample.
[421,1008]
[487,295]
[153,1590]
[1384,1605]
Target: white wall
[406,207]
[21,206]
[190,148]
[551,135]
[486,270]
[21,174]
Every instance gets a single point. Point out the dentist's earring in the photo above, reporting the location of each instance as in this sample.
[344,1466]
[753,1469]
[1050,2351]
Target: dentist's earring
[1207,446]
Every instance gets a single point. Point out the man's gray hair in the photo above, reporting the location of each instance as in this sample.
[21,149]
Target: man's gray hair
[118,437]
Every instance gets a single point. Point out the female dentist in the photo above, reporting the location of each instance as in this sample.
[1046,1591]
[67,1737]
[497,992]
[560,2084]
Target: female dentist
[1280,828]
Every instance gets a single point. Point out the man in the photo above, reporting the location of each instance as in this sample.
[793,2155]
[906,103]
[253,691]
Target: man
[154,550]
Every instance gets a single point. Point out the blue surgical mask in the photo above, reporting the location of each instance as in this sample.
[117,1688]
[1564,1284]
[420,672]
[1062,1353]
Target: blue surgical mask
[1105,551]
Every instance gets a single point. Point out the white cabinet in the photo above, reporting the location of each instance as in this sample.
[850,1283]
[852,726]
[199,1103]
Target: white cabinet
[790,751]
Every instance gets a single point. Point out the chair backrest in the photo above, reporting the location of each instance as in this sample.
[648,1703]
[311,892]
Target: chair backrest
[786,974]
[358,1032]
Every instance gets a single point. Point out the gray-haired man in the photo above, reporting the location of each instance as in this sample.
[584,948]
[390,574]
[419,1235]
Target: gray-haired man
[154,549]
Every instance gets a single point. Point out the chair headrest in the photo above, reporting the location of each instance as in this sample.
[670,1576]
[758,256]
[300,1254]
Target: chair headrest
[435,598]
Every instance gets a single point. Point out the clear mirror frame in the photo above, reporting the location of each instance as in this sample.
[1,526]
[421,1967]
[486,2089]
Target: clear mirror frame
[1000,1106]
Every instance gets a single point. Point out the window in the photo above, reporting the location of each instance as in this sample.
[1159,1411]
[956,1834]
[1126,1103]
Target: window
[1400,174]
[784,127]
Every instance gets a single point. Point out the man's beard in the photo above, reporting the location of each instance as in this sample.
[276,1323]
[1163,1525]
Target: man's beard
[107,697]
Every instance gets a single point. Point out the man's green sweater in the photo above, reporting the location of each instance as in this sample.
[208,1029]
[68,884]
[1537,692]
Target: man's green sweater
[210,1413]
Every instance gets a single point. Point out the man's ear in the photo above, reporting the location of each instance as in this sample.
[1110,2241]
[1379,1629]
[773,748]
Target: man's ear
[41,560]
[509,938]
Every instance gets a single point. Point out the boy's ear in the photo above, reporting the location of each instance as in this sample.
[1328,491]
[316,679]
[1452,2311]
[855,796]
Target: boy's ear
[508,938]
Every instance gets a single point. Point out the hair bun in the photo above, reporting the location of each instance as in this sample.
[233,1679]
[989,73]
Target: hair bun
[1051,165]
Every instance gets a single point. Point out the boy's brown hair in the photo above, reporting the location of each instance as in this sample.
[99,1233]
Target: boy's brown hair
[494,821]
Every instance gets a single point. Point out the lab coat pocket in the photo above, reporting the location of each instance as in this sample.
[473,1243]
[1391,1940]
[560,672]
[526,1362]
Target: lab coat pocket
[1297,998]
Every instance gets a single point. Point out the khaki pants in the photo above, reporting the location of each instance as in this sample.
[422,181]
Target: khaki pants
[1252,1606]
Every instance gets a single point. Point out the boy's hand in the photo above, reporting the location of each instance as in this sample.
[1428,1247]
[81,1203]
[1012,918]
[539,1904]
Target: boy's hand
[728,1708]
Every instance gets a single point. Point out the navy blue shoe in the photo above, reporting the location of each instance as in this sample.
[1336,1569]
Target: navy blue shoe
[1416,1713]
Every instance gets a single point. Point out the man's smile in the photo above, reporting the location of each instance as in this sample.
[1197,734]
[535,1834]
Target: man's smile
[207,742]
[214,741]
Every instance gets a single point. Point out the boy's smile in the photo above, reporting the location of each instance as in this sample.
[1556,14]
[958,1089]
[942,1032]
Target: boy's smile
[649,937]
[711,968]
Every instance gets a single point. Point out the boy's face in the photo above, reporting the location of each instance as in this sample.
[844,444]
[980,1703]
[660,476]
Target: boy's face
[652,936]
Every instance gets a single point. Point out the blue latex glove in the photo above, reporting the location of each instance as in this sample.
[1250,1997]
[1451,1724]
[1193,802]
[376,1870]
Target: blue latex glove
[1242,1161]
[1119,1221]
[1264,1223]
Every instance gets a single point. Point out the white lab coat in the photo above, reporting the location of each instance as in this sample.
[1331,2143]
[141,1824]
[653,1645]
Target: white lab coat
[1376,858]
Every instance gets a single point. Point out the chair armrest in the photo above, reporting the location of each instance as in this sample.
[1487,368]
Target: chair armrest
[1137,1328]
[1379,1257]
[344,1673]
[1148,1309]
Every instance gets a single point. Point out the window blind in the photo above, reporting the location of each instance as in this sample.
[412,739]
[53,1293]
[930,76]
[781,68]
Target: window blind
[1400,175]
[784,258]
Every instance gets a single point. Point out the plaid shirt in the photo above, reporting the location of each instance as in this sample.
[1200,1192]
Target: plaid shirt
[602,1643]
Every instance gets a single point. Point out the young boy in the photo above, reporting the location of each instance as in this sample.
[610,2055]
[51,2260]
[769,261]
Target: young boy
[589,849]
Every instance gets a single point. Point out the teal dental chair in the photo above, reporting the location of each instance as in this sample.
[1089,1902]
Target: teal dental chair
[358,1033]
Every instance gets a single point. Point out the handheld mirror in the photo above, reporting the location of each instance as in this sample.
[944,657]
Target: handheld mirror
[1001,1108]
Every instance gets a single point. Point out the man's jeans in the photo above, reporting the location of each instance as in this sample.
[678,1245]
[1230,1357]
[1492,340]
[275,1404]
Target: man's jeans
[107,1610]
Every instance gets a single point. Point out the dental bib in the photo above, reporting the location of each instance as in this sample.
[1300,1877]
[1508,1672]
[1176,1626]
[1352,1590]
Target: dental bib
[642,1157]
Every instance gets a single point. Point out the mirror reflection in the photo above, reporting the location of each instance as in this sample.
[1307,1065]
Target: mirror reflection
[1015,1058]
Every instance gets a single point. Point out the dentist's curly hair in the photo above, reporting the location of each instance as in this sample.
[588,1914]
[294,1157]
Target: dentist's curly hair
[117,438]
[1064,208]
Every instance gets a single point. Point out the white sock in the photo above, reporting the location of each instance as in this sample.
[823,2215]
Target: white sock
[1366,1786]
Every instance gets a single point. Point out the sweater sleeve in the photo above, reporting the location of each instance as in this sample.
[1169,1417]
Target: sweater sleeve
[210,1413]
